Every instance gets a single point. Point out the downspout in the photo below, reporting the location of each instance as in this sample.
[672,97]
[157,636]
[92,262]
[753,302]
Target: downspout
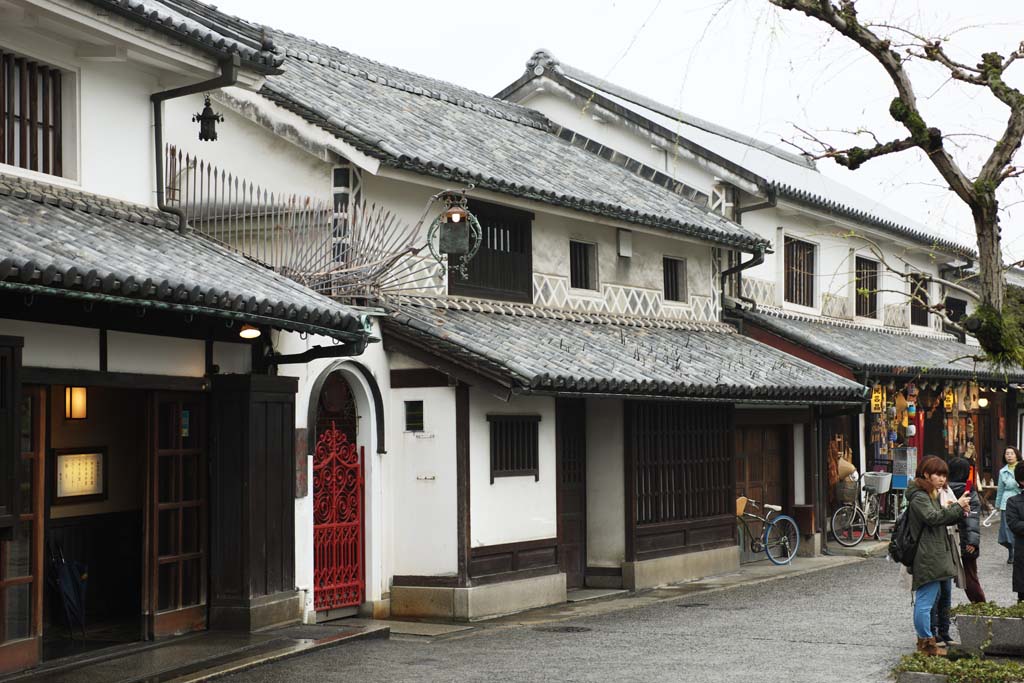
[769,202]
[228,76]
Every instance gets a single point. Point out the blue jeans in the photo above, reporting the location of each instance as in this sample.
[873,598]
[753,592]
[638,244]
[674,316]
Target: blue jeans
[924,602]
[940,615]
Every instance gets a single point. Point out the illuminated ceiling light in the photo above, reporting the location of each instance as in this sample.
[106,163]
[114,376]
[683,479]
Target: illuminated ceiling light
[983,402]
[249,332]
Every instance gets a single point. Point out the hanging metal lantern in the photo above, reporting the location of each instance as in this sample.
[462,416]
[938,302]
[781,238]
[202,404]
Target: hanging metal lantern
[208,120]
[455,235]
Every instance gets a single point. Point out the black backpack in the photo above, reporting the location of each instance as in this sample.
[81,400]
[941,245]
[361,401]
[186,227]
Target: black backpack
[903,545]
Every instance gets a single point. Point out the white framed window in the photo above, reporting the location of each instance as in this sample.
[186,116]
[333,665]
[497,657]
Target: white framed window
[800,264]
[674,276]
[582,265]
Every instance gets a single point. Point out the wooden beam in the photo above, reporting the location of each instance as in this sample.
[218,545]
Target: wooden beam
[113,380]
[417,378]
[462,492]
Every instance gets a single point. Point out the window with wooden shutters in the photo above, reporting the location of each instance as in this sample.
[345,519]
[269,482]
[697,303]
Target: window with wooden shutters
[582,265]
[674,271]
[514,446]
[867,288]
[683,460]
[30,114]
[503,267]
[799,272]
[918,299]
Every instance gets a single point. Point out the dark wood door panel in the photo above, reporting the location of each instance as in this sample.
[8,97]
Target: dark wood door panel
[571,457]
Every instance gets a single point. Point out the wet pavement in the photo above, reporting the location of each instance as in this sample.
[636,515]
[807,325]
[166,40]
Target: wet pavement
[848,622]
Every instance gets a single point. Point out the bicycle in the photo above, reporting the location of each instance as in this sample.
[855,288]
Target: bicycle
[780,535]
[852,522]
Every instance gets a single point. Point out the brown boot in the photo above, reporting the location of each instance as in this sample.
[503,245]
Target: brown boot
[927,646]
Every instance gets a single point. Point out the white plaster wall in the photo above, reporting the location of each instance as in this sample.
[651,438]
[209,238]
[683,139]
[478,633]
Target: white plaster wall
[512,508]
[578,116]
[424,488]
[107,126]
[55,346]
[606,511]
[247,150]
[377,474]
[232,359]
[152,355]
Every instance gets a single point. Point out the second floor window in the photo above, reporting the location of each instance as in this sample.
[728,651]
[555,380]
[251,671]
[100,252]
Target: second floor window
[956,308]
[918,299]
[582,265]
[799,284]
[30,114]
[675,278]
[503,267]
[867,288]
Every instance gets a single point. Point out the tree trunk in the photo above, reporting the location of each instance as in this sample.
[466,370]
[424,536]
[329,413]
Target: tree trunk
[990,259]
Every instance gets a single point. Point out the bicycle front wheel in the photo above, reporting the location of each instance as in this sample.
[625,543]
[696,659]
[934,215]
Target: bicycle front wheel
[781,540]
[849,526]
[872,515]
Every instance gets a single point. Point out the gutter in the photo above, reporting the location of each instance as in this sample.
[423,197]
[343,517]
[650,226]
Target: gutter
[228,76]
[738,269]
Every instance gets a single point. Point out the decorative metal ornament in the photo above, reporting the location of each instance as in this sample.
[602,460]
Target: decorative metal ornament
[208,120]
[456,232]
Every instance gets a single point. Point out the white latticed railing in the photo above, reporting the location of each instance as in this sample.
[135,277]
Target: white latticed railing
[834,306]
[896,315]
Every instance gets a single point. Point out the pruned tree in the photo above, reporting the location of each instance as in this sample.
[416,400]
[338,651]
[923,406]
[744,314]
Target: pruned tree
[998,332]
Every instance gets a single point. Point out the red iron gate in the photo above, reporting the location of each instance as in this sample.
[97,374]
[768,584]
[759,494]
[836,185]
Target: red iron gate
[337,522]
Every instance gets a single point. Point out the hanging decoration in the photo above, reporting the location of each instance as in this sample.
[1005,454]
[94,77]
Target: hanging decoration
[455,232]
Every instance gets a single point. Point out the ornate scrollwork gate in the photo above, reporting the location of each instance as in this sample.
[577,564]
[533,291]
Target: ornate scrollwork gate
[337,522]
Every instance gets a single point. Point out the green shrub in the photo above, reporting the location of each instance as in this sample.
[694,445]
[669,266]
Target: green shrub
[964,669]
[990,609]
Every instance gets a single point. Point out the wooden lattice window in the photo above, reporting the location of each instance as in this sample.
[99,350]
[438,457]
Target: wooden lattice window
[514,446]
[867,288]
[582,265]
[30,114]
[503,267]
[799,257]
[918,299]
[674,270]
[683,460]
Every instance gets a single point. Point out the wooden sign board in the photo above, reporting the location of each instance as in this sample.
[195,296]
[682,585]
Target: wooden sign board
[878,399]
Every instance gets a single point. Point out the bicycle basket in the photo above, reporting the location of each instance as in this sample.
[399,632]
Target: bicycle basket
[879,482]
[846,491]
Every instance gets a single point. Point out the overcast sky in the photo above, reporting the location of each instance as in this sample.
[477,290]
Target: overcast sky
[739,63]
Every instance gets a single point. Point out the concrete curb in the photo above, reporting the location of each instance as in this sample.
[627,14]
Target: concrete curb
[246,663]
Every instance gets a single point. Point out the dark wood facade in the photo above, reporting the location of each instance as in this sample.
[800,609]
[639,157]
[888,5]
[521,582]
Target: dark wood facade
[571,470]
[252,516]
[503,266]
[679,475]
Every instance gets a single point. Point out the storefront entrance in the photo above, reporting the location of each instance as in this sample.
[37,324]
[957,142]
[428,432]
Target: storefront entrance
[111,546]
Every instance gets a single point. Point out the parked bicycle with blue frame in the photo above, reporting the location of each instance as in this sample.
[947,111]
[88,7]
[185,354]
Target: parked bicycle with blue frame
[780,536]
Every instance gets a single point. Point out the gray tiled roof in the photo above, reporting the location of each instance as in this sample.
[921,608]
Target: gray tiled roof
[775,170]
[881,352]
[431,127]
[82,245]
[563,356]
[201,25]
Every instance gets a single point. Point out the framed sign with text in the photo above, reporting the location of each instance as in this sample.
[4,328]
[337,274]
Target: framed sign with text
[80,475]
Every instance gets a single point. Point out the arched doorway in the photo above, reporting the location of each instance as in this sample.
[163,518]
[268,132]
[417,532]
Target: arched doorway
[339,572]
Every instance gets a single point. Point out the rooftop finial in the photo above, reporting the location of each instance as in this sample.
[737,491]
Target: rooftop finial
[540,60]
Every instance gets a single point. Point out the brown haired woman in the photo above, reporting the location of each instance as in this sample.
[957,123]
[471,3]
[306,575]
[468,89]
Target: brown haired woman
[933,561]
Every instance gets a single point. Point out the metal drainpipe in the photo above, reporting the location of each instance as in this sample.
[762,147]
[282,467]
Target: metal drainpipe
[739,267]
[228,76]
[769,202]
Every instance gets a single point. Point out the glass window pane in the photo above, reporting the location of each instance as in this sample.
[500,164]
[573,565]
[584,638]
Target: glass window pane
[18,613]
[191,583]
[190,477]
[190,530]
[17,553]
[168,423]
[168,533]
[167,484]
[167,586]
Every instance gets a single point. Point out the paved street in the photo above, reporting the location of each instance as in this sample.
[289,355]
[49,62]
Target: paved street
[850,623]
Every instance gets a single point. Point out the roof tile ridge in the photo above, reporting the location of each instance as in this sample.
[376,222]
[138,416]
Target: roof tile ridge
[848,324]
[633,96]
[81,200]
[859,214]
[522,310]
[530,117]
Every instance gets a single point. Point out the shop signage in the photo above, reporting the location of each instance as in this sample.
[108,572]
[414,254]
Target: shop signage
[878,399]
[948,399]
[80,475]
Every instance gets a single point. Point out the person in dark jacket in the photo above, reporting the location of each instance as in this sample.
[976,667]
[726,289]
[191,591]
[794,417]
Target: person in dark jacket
[970,531]
[1015,523]
[933,561]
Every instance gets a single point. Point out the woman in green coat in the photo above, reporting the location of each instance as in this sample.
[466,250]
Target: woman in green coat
[933,562]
